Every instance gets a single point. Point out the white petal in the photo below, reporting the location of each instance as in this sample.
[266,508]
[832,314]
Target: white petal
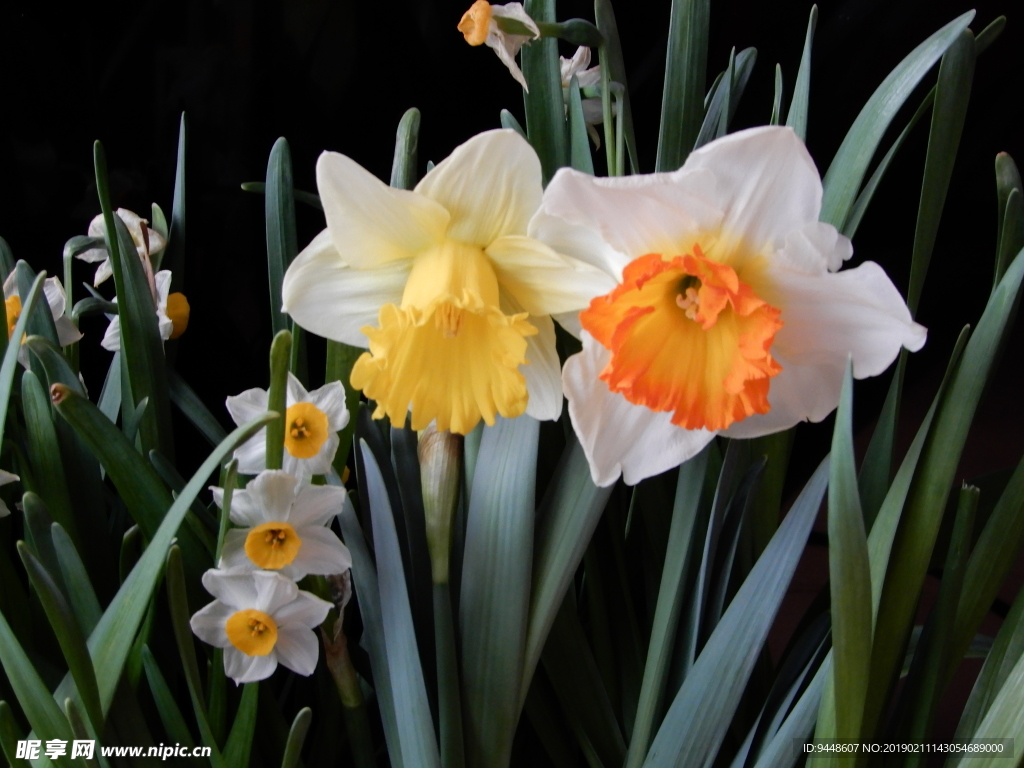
[593,111]
[97,227]
[616,435]
[104,272]
[587,78]
[67,333]
[93,255]
[8,477]
[321,553]
[11,285]
[55,296]
[814,249]
[517,12]
[491,186]
[248,669]
[236,589]
[304,610]
[326,296]
[162,279]
[218,496]
[252,454]
[320,464]
[766,183]
[4,509]
[295,393]
[112,336]
[316,505]
[634,215]
[827,317]
[233,554]
[545,282]
[209,621]
[330,399]
[298,649]
[272,591]
[370,222]
[570,321]
[569,67]
[246,406]
[506,45]
[274,492]
[543,373]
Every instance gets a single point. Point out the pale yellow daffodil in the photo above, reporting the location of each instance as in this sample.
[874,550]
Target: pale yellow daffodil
[443,285]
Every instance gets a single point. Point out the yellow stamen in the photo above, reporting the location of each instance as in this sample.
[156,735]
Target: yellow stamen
[449,351]
[178,311]
[306,430]
[272,546]
[252,632]
[476,22]
[13,313]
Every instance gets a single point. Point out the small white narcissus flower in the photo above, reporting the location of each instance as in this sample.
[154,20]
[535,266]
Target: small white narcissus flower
[260,619]
[312,423]
[479,26]
[57,300]
[730,315]
[284,527]
[593,109]
[5,478]
[172,313]
[147,241]
[461,298]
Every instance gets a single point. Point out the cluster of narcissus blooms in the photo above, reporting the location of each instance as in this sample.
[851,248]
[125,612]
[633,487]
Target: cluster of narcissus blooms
[260,617]
[708,300]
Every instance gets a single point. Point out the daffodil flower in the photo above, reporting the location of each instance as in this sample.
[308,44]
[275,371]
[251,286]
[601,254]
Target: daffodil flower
[593,110]
[5,478]
[57,300]
[312,423]
[479,26]
[284,527]
[147,241]
[461,297]
[260,619]
[172,313]
[730,315]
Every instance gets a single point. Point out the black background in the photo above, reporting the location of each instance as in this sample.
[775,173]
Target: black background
[335,74]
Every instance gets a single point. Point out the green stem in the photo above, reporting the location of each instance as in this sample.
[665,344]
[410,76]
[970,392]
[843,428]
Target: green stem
[449,699]
[606,106]
[277,397]
[357,724]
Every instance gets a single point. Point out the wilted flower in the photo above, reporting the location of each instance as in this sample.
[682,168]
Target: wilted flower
[479,25]
[448,274]
[284,527]
[172,313]
[260,619]
[57,300]
[147,241]
[730,315]
[312,423]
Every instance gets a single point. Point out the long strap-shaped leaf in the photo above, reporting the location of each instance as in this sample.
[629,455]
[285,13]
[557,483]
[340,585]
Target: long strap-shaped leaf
[797,117]
[495,589]
[415,727]
[682,102]
[845,174]
[697,721]
[545,110]
[282,245]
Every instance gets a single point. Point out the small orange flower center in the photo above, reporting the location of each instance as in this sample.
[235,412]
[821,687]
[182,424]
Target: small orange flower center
[272,546]
[475,22]
[13,313]
[252,632]
[306,430]
[177,312]
[687,336]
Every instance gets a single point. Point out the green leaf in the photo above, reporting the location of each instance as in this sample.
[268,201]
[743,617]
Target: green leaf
[10,735]
[1005,718]
[494,601]
[567,517]
[403,167]
[1007,180]
[76,580]
[545,110]
[188,402]
[174,254]
[776,118]
[277,396]
[849,573]
[579,142]
[10,364]
[239,746]
[725,97]
[1011,236]
[845,174]
[6,260]
[40,321]
[952,93]
[282,245]
[340,359]
[415,727]
[682,104]
[915,537]
[689,489]
[509,121]
[68,632]
[166,706]
[797,117]
[44,451]
[698,718]
[364,575]
[296,738]
[309,198]
[797,725]
[611,59]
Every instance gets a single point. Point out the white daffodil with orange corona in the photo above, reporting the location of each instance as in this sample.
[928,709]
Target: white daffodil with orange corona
[443,284]
[56,299]
[729,314]
[312,422]
[284,527]
[260,619]
[172,313]
[480,26]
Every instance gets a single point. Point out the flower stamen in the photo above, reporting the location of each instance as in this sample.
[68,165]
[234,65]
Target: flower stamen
[252,632]
[272,546]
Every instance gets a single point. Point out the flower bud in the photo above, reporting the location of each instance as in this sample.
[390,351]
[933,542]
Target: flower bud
[440,454]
